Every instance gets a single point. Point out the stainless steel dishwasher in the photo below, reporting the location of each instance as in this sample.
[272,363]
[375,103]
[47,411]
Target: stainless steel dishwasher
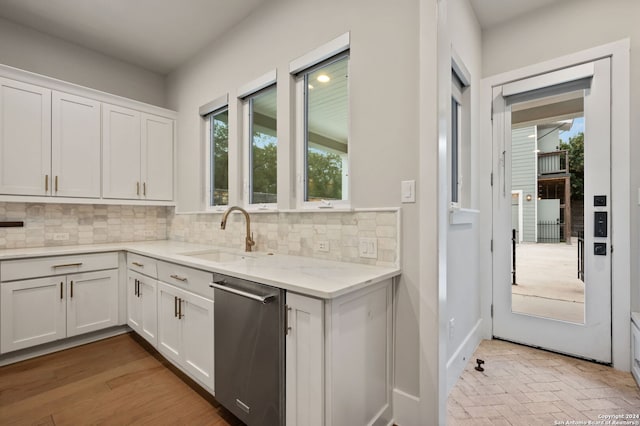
[249,350]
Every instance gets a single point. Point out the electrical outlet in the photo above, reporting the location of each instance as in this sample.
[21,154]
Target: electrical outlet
[61,236]
[368,248]
[322,246]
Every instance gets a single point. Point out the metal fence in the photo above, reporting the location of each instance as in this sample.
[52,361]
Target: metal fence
[550,232]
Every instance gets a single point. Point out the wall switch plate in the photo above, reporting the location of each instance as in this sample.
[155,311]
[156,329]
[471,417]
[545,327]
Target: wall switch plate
[408,191]
[368,248]
[61,236]
[322,246]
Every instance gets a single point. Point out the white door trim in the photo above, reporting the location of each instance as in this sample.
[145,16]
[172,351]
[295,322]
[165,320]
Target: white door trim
[620,182]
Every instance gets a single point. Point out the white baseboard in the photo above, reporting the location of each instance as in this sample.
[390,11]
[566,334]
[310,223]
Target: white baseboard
[59,345]
[460,358]
[406,409]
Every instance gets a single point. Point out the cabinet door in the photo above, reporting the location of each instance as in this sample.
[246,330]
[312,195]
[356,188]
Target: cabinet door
[32,312]
[305,361]
[25,139]
[148,299]
[169,336]
[134,304]
[197,337]
[120,152]
[75,146]
[92,301]
[157,158]
[142,312]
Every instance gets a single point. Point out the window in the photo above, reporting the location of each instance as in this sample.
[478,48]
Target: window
[218,158]
[262,148]
[325,151]
[460,143]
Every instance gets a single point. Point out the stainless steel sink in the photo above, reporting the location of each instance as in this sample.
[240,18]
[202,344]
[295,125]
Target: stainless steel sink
[219,256]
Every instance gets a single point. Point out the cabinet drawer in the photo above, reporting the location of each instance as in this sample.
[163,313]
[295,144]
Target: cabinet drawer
[56,265]
[144,265]
[194,280]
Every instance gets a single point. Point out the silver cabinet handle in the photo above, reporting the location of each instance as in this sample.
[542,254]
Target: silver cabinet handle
[67,264]
[287,327]
[178,277]
[137,264]
[221,286]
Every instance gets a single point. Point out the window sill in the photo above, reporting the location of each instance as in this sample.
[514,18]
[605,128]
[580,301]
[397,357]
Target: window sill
[458,216]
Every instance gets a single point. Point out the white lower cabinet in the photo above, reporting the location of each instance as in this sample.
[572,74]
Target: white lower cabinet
[142,313]
[41,310]
[339,352]
[33,312]
[92,301]
[185,332]
[305,361]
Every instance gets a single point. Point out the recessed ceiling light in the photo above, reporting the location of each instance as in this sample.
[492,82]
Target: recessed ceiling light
[323,78]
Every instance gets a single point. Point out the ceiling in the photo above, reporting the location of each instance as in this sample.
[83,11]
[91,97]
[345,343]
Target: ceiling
[494,12]
[157,35]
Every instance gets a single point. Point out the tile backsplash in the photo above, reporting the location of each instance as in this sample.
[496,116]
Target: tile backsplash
[294,233]
[297,233]
[48,224]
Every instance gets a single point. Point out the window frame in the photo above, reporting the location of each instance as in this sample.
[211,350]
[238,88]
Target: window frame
[206,111]
[459,136]
[247,145]
[302,143]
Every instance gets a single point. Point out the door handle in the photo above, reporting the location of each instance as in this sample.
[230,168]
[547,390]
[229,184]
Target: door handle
[67,265]
[178,277]
[46,183]
[175,306]
[71,292]
[140,265]
[135,288]
[144,188]
[56,183]
[61,284]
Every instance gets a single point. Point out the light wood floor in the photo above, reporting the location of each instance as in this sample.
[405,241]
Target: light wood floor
[117,381]
[526,386]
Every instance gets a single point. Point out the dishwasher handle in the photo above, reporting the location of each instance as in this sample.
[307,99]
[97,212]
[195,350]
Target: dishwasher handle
[220,285]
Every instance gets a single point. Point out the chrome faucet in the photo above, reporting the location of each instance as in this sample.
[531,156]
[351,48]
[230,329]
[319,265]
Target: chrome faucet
[248,241]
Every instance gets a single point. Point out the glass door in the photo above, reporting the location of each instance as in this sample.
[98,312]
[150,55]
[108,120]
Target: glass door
[552,269]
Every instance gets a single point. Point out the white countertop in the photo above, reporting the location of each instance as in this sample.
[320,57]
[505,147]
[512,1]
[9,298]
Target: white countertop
[324,279]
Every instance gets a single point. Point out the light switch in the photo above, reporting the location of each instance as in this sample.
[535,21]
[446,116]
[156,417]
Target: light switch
[408,191]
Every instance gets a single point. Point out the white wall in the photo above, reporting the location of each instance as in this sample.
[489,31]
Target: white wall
[384,123]
[463,289]
[27,49]
[568,27]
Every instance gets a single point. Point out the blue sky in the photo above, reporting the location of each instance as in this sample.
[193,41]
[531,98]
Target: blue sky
[577,127]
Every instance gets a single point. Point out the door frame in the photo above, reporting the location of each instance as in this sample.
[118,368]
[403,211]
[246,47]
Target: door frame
[620,185]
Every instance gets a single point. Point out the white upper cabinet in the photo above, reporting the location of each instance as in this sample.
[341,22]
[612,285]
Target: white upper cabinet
[75,146]
[61,140]
[137,155]
[25,138]
[157,157]
[120,152]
